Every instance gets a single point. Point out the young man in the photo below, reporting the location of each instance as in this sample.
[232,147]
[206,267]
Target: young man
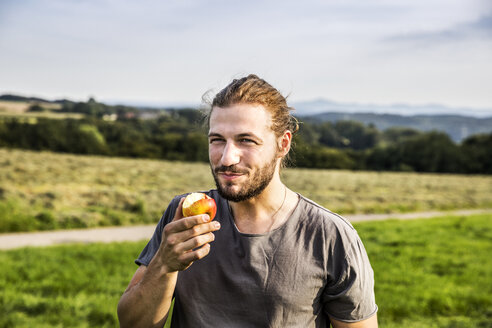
[277,259]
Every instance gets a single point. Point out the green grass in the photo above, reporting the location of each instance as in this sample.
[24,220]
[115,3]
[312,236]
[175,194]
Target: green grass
[429,273]
[65,286]
[42,190]
[432,273]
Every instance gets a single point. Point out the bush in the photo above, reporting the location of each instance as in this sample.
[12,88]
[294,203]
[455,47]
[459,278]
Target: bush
[46,221]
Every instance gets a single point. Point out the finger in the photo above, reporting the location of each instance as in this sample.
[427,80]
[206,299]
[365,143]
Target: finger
[197,254]
[174,238]
[178,215]
[199,229]
[186,223]
[194,243]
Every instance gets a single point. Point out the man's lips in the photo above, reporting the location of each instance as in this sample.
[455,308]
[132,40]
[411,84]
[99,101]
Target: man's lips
[230,175]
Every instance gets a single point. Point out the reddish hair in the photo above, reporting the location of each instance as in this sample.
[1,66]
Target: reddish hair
[256,91]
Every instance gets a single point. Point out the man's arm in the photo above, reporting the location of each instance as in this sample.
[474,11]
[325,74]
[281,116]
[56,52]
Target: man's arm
[372,322]
[147,300]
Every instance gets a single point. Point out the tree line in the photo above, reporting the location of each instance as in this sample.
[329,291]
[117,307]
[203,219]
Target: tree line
[177,134]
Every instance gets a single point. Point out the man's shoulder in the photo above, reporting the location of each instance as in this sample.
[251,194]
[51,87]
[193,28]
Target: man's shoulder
[328,229]
[315,213]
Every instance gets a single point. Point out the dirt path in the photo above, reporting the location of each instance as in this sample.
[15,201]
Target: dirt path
[144,232]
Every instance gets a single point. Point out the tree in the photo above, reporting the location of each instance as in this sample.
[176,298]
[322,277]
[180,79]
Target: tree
[430,152]
[36,108]
[358,135]
[86,139]
[397,134]
[477,150]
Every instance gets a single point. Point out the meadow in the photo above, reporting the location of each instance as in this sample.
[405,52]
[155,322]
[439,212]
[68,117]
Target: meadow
[44,191]
[20,110]
[21,107]
[429,273]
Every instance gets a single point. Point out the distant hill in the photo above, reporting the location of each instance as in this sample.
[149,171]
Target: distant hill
[320,106]
[10,97]
[457,127]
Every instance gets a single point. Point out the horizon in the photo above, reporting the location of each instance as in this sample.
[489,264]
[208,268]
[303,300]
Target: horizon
[401,109]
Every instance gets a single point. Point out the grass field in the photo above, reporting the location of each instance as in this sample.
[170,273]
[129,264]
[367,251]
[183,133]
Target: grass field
[429,273]
[19,109]
[40,191]
[31,117]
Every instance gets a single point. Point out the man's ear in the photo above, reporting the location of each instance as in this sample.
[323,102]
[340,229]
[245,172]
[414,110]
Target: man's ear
[284,143]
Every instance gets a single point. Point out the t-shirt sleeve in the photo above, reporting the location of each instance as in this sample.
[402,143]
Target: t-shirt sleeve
[349,295]
[153,245]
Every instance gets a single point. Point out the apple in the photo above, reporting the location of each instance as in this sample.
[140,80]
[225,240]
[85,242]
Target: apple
[198,203]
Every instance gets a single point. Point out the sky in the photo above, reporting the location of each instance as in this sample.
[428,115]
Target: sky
[377,52]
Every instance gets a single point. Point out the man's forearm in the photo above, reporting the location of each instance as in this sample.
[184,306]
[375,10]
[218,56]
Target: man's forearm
[372,322]
[147,303]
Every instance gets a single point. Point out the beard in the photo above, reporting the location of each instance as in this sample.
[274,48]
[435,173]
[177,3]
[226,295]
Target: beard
[251,188]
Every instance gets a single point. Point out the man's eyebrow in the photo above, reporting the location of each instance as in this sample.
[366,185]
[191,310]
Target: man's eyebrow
[241,135]
[247,134]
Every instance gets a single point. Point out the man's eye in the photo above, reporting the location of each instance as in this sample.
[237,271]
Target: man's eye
[215,140]
[246,140]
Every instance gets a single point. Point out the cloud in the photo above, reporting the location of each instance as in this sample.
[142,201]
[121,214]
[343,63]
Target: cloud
[483,24]
[478,29]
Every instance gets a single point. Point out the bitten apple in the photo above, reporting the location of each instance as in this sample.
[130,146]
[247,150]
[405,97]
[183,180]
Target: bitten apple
[198,203]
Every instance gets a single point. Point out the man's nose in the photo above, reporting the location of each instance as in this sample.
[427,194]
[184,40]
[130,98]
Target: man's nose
[230,155]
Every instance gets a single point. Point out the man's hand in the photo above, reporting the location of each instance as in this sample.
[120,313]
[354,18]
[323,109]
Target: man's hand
[185,240]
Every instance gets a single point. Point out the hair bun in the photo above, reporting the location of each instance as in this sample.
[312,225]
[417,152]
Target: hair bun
[294,124]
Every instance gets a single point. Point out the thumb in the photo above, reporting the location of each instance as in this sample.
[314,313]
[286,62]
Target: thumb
[178,215]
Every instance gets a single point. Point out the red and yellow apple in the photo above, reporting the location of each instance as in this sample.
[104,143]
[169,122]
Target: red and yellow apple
[198,203]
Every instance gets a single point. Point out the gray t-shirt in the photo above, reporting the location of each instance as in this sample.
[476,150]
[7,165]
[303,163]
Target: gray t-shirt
[312,266]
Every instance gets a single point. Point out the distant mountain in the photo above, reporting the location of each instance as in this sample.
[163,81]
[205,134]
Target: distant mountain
[322,106]
[457,127]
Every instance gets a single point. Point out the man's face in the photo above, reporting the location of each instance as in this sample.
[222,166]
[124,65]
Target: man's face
[242,150]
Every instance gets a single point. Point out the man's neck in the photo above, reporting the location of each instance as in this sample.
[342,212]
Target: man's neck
[266,211]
